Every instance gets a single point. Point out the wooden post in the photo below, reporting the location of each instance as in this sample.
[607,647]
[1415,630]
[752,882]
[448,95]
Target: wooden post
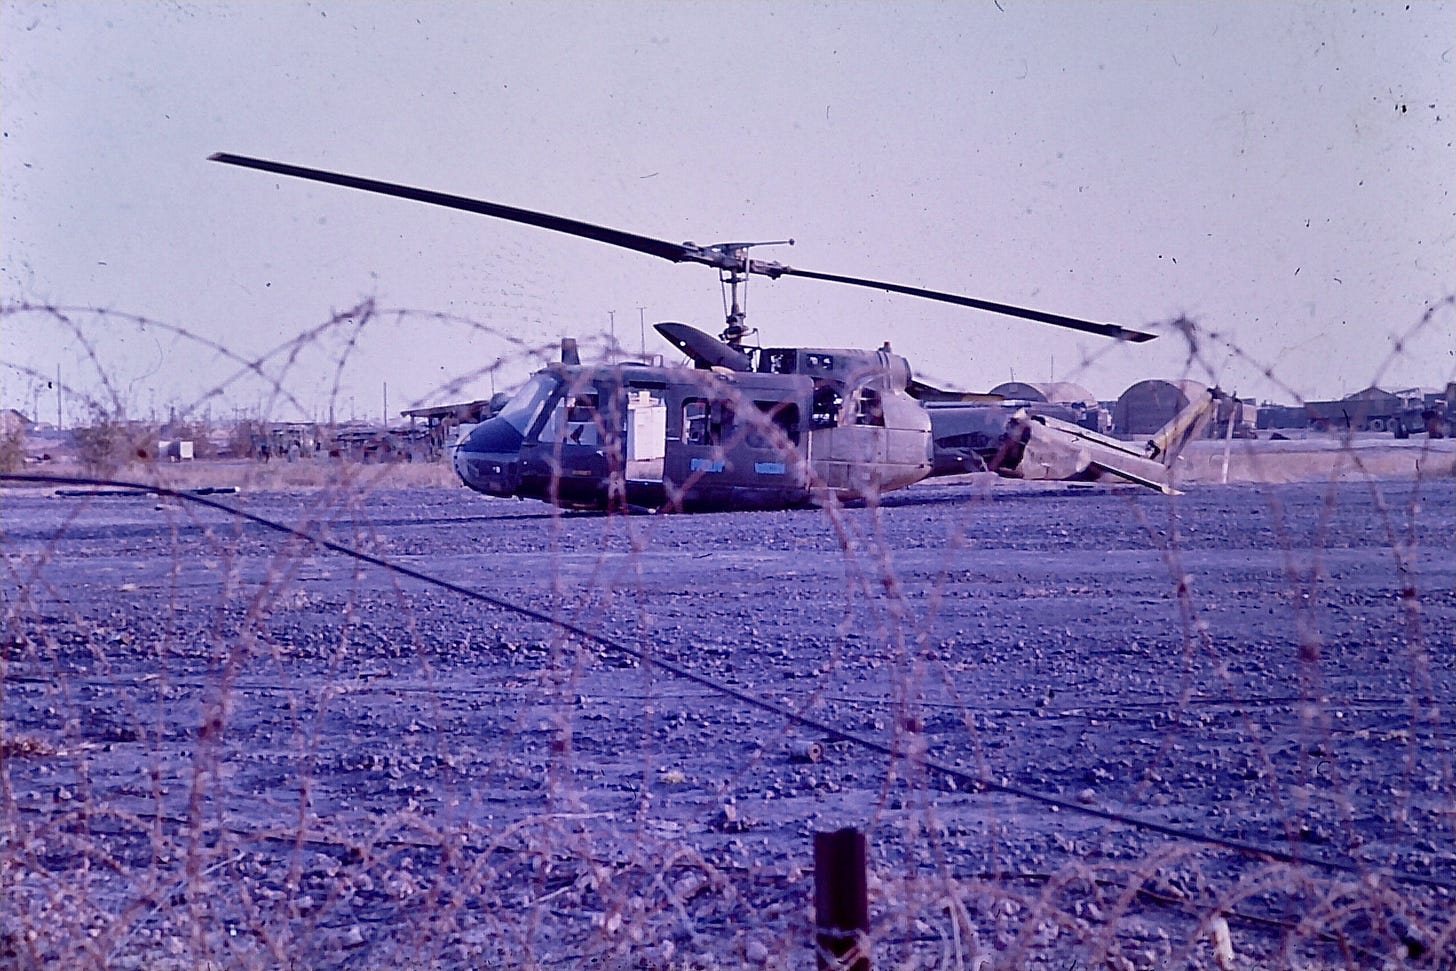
[1228,439]
[841,900]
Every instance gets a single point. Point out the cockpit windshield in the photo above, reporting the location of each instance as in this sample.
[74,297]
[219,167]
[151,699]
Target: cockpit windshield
[521,411]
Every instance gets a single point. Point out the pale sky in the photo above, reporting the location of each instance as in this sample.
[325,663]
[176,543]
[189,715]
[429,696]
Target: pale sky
[1283,173]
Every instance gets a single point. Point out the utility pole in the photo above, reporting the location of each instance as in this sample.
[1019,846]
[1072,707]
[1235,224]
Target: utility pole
[59,426]
[642,323]
[386,405]
[612,314]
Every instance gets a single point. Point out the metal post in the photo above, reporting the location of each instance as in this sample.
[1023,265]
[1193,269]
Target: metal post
[841,900]
[1228,439]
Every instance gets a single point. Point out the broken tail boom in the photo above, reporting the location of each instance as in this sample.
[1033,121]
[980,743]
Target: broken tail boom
[1041,447]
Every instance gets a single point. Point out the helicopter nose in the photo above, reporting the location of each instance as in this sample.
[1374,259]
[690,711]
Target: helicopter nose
[487,458]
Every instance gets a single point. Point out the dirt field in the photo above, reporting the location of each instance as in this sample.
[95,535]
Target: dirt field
[1313,457]
[224,747]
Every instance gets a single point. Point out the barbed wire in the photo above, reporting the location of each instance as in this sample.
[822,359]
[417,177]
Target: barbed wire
[746,698]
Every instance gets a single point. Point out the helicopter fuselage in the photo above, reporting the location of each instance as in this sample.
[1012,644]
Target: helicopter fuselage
[632,436]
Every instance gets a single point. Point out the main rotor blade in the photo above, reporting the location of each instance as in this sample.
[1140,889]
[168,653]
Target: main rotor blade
[1073,323]
[724,257]
[676,252]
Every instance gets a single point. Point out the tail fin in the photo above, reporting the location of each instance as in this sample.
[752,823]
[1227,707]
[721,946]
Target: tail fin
[1168,442]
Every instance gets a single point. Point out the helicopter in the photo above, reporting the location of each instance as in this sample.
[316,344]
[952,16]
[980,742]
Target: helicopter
[752,427]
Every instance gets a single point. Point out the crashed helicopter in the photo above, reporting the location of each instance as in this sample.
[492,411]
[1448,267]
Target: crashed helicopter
[761,427]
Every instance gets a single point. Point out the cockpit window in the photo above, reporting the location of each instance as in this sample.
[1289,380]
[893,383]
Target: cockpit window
[522,410]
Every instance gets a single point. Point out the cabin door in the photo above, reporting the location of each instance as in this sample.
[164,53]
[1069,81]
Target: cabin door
[645,434]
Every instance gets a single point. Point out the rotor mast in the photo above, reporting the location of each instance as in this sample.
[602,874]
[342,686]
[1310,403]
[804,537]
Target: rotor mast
[734,269]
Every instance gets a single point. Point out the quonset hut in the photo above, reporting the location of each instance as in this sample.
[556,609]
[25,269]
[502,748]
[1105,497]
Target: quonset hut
[1149,405]
[1058,392]
[1080,405]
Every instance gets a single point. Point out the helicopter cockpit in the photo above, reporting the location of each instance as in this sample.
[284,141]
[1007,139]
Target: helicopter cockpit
[581,422]
[525,406]
[487,456]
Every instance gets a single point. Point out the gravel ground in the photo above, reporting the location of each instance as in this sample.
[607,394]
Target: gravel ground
[222,745]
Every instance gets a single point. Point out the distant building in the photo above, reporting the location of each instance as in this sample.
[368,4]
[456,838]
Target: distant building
[13,424]
[1058,392]
[1407,411]
[1085,409]
[1149,405]
[1368,410]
